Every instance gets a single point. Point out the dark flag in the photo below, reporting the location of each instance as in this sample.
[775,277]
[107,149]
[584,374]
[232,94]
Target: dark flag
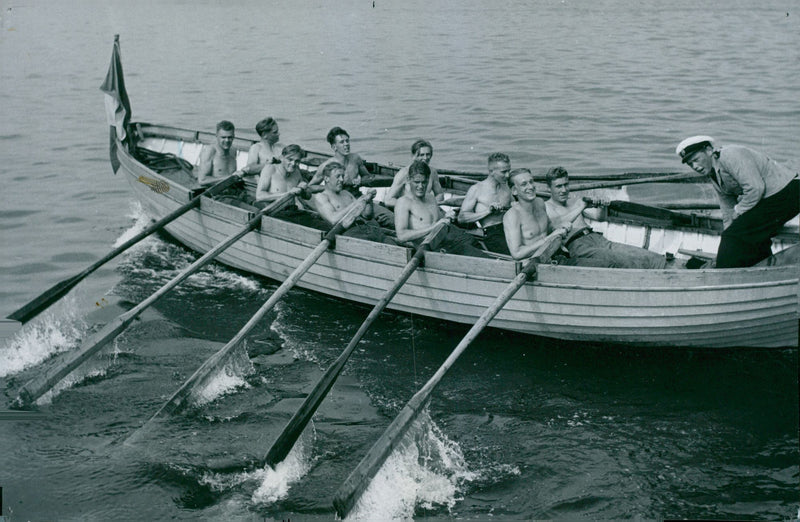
[118,107]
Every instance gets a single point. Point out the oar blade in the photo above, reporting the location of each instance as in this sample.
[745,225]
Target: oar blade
[45,299]
[45,381]
[358,481]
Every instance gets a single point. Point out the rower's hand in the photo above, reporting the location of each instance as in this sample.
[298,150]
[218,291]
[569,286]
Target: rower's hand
[496,208]
[369,195]
[305,193]
[444,221]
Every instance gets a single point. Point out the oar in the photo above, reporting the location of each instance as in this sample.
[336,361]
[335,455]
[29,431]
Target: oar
[359,479]
[286,440]
[589,185]
[38,386]
[178,399]
[654,215]
[57,291]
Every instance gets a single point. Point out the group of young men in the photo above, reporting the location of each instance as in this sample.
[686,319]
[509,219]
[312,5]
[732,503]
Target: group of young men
[503,210]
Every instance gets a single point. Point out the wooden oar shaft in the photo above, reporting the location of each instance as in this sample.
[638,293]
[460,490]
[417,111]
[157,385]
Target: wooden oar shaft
[178,399]
[359,479]
[43,383]
[292,431]
[57,291]
[208,368]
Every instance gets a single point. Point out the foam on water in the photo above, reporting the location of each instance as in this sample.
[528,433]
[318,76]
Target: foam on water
[426,469]
[227,379]
[294,339]
[140,221]
[55,331]
[275,483]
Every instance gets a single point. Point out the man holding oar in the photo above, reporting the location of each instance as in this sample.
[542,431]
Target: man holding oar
[526,223]
[218,161]
[587,247]
[417,213]
[420,150]
[333,203]
[354,171]
[486,201]
[265,150]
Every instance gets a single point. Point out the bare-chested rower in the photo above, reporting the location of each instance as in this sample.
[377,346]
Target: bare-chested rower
[218,161]
[526,223]
[334,202]
[420,150]
[354,171]
[486,202]
[281,177]
[262,152]
[417,213]
[587,247]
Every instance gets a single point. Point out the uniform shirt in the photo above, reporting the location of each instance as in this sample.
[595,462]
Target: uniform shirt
[743,177]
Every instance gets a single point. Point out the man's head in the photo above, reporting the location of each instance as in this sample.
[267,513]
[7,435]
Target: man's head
[267,129]
[418,174]
[225,134]
[558,181]
[339,140]
[521,183]
[333,173]
[697,152]
[422,150]
[499,166]
[291,155]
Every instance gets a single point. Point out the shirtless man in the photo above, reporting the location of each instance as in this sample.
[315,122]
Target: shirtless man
[333,203]
[262,153]
[354,170]
[526,223]
[281,177]
[586,247]
[421,150]
[218,161]
[486,202]
[417,213]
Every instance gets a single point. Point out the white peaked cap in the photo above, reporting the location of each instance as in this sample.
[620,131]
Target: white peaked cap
[689,145]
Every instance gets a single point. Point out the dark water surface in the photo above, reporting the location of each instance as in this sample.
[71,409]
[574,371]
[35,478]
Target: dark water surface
[521,427]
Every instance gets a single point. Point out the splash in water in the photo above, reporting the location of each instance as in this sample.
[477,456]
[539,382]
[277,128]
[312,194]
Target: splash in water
[57,330]
[426,469]
[275,483]
[227,379]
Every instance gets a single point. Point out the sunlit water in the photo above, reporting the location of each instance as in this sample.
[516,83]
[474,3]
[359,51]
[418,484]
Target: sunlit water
[522,427]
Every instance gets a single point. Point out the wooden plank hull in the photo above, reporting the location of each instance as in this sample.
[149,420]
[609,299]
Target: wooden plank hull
[753,307]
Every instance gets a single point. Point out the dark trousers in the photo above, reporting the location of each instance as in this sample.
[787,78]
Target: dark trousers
[494,237]
[748,239]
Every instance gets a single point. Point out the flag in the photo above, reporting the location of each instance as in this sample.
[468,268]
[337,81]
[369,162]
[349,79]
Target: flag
[118,107]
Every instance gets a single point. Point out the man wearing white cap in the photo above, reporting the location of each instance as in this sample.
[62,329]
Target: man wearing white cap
[756,194]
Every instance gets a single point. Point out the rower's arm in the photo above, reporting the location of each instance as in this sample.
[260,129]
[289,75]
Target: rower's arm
[467,213]
[264,182]
[205,166]
[253,163]
[402,225]
[438,191]
[576,208]
[396,190]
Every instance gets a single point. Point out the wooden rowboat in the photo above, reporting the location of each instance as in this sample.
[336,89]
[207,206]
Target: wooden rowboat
[753,307]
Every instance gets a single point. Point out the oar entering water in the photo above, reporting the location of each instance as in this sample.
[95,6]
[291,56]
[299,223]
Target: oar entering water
[60,289]
[359,479]
[286,440]
[38,386]
[178,399]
